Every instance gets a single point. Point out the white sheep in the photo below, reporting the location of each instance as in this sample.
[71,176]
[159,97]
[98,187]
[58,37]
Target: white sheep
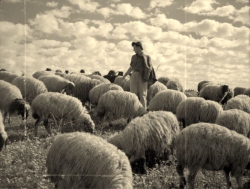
[163,80]
[196,109]
[247,92]
[239,90]
[76,78]
[58,106]
[175,84]
[154,89]
[203,84]
[38,74]
[82,89]
[8,76]
[96,92]
[3,134]
[11,101]
[154,131]
[55,83]
[116,104]
[82,160]
[211,147]
[167,100]
[119,81]
[241,102]
[126,86]
[98,77]
[236,120]
[30,87]
[217,93]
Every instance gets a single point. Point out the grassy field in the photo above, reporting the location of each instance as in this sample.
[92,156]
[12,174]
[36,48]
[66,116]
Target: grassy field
[22,162]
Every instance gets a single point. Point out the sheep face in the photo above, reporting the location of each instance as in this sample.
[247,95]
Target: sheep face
[88,124]
[227,94]
[68,89]
[21,107]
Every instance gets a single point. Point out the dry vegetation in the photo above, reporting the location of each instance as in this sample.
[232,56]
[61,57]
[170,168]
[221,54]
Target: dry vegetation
[22,163]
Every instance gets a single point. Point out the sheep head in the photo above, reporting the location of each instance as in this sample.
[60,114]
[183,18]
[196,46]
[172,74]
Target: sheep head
[21,107]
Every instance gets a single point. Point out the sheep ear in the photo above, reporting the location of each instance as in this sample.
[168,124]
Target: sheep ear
[225,88]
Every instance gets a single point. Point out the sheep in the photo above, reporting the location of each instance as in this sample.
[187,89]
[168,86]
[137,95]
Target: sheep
[98,77]
[120,81]
[239,90]
[82,89]
[175,84]
[126,86]
[153,131]
[111,76]
[52,105]
[11,101]
[82,160]
[29,87]
[3,134]
[98,90]
[55,83]
[76,78]
[217,93]
[115,104]
[154,89]
[211,147]
[203,84]
[196,109]
[241,102]
[38,74]
[8,76]
[191,93]
[236,120]
[163,80]
[167,100]
[247,92]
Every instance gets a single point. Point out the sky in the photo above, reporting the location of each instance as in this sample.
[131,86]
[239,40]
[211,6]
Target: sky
[191,40]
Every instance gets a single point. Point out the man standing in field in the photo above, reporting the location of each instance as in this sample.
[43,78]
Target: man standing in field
[140,67]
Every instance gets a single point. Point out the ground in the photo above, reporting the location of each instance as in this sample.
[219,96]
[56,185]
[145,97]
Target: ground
[22,162]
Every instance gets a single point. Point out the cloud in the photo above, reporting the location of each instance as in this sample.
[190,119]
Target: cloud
[48,22]
[85,5]
[200,6]
[242,15]
[212,28]
[122,9]
[159,3]
[13,1]
[127,9]
[243,1]
[170,24]
[52,4]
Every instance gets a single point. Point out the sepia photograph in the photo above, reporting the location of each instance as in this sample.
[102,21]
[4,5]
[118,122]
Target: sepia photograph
[125,94]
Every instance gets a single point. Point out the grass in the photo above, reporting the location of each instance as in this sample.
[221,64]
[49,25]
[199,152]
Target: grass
[22,163]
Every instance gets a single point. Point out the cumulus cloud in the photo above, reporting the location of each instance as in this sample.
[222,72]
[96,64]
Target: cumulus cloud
[242,15]
[48,22]
[171,24]
[122,9]
[243,1]
[160,3]
[85,5]
[13,1]
[52,4]
[200,6]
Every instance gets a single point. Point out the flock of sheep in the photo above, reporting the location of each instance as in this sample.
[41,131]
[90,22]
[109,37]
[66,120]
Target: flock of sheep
[207,130]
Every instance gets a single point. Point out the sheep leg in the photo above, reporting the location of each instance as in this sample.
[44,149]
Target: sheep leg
[36,125]
[191,177]
[239,181]
[226,172]
[180,171]
[47,126]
